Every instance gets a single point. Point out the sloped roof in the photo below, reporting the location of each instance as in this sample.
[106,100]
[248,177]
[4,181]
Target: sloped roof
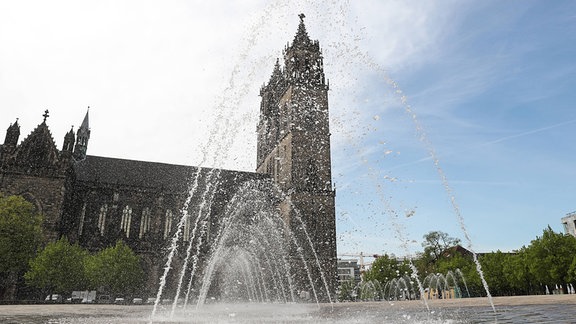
[145,174]
[38,149]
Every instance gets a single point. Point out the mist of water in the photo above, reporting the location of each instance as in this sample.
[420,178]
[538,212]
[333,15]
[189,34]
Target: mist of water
[216,150]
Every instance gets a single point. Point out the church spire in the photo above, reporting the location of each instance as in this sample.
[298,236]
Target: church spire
[303,59]
[12,135]
[69,139]
[82,137]
[301,39]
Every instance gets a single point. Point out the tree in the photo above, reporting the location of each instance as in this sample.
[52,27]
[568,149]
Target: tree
[347,291]
[463,268]
[115,270]
[59,268]
[20,236]
[550,256]
[572,271]
[386,268]
[518,274]
[435,244]
[493,267]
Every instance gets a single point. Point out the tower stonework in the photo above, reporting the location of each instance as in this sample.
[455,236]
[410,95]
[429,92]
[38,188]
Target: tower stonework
[294,149]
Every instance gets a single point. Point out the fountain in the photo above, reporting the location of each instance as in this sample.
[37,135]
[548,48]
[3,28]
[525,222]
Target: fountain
[401,288]
[274,237]
[267,249]
[446,286]
[256,268]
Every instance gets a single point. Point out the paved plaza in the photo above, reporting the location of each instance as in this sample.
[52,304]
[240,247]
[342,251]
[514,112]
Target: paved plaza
[517,309]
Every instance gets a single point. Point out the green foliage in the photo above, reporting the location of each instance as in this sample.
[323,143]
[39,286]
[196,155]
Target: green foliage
[572,270]
[62,267]
[517,274]
[548,260]
[20,233]
[495,272]
[435,244]
[385,268]
[370,290]
[116,270]
[59,268]
[347,291]
[550,257]
[20,236]
[457,263]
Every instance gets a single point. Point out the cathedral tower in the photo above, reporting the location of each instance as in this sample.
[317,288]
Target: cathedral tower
[294,149]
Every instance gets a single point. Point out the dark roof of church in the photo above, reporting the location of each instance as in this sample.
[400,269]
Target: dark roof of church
[146,174]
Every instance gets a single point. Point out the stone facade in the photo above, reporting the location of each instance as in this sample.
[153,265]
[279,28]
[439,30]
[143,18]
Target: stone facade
[96,201]
[294,149]
[36,170]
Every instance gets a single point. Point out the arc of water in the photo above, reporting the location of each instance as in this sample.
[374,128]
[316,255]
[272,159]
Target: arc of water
[393,214]
[230,222]
[311,245]
[206,149]
[262,281]
[249,280]
[273,274]
[260,245]
[283,256]
[432,153]
[254,274]
[212,180]
[174,242]
[458,271]
[280,253]
[195,258]
[273,266]
[366,59]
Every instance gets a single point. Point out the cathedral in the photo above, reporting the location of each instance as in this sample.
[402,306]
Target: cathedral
[96,201]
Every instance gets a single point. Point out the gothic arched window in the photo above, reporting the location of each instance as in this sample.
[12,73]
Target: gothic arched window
[102,218]
[144,222]
[126,220]
[187,228]
[82,216]
[167,223]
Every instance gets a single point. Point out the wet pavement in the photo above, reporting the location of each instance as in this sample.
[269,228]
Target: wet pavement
[522,309]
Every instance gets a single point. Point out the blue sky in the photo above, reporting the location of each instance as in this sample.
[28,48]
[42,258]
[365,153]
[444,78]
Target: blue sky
[488,86]
[493,93]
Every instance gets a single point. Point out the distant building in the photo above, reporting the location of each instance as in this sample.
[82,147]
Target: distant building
[348,270]
[569,222]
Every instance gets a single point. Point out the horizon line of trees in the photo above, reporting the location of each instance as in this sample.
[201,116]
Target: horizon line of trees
[549,261]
